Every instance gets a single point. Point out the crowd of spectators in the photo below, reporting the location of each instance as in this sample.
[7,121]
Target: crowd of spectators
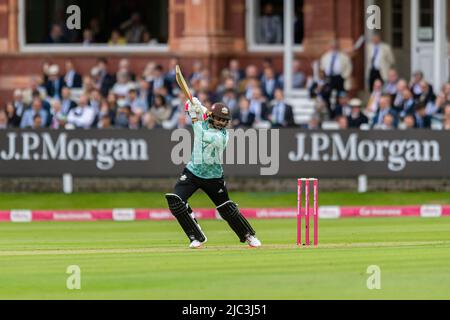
[115,97]
[393,103]
[131,31]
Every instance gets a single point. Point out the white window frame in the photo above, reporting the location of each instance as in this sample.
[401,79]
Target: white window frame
[250,25]
[79,48]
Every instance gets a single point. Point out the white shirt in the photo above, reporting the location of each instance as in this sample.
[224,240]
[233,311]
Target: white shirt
[81,117]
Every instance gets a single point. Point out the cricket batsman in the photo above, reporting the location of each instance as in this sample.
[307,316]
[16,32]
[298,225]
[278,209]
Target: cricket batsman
[205,172]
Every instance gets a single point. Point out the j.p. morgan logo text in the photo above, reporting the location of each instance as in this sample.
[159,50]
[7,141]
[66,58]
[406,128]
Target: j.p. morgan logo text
[41,146]
[396,153]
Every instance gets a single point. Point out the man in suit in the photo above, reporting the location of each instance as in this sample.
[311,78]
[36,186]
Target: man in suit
[423,121]
[338,67]
[18,103]
[243,117]
[35,110]
[269,83]
[67,103]
[270,26]
[380,59]
[55,82]
[282,115]
[258,106]
[72,79]
[104,80]
[384,108]
[160,81]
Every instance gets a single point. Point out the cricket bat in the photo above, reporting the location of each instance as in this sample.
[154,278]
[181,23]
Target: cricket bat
[182,83]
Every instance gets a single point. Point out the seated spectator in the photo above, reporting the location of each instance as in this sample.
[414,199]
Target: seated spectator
[98,36]
[117,39]
[230,99]
[89,82]
[408,104]
[36,109]
[342,107]
[160,110]
[227,84]
[88,37]
[252,84]
[321,89]
[56,35]
[37,122]
[387,124]
[123,84]
[13,118]
[170,76]
[251,75]
[258,106]
[414,84]
[423,121]
[281,115]
[147,38]
[182,121]
[149,121]
[134,121]
[55,82]
[45,104]
[138,106]
[122,114]
[37,84]
[145,96]
[72,79]
[149,69]
[102,79]
[269,83]
[133,28]
[314,123]
[108,110]
[58,117]
[83,115]
[95,100]
[384,108]
[427,94]
[159,81]
[3,120]
[124,65]
[356,117]
[235,71]
[409,122]
[18,103]
[243,117]
[447,117]
[375,96]
[196,74]
[105,122]
[67,103]
[342,122]
[390,86]
[298,77]
[397,100]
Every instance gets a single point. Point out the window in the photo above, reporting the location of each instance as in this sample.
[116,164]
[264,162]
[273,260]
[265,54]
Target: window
[265,24]
[106,25]
[426,20]
[397,23]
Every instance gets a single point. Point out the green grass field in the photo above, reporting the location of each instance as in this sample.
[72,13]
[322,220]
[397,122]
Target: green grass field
[150,260]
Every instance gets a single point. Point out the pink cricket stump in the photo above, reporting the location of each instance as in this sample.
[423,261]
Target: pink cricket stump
[299,212]
[316,212]
[307,212]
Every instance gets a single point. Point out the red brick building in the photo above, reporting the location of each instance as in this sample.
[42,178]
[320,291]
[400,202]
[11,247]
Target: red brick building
[216,30]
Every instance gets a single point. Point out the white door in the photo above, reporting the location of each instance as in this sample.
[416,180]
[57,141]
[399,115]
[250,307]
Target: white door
[422,33]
